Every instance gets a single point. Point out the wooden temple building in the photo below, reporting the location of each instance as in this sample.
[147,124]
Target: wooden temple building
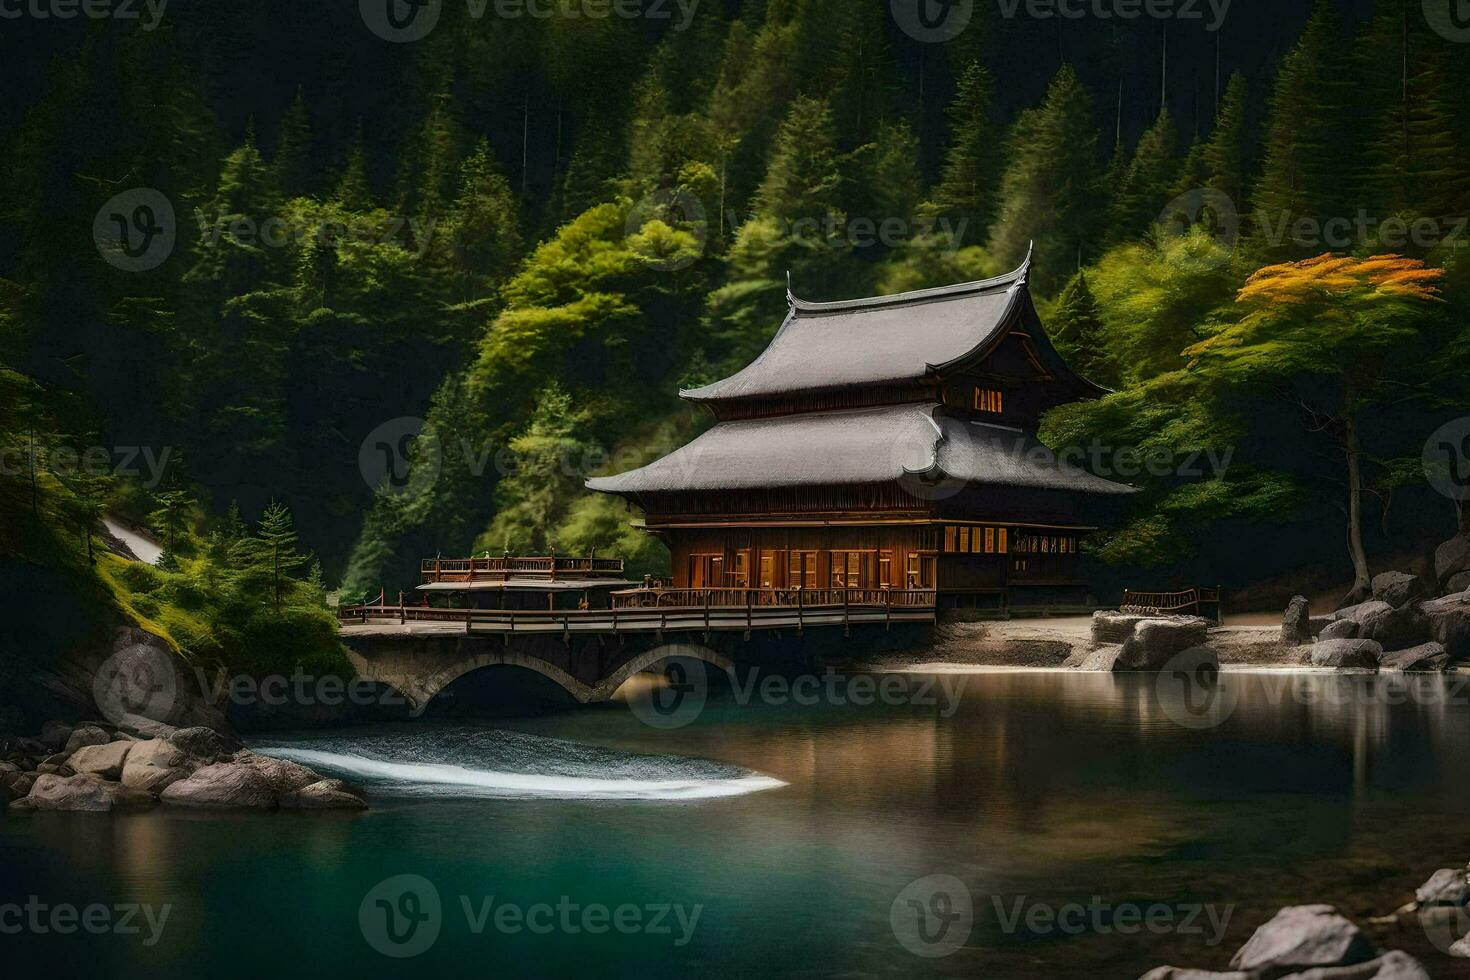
[886,443]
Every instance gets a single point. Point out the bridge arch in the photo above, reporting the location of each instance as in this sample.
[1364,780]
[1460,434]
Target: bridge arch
[642,661]
[431,684]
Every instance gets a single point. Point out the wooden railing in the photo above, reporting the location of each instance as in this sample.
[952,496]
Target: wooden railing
[702,610]
[548,567]
[1173,602]
[730,598]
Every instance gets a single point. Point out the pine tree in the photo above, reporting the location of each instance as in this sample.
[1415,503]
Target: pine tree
[292,164]
[354,192]
[433,167]
[277,548]
[485,222]
[966,190]
[804,178]
[1225,152]
[170,519]
[1050,190]
[1149,182]
[1307,150]
[896,181]
[1077,328]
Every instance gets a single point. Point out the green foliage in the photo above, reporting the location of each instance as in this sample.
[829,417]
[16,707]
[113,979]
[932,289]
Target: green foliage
[1148,182]
[1050,190]
[967,189]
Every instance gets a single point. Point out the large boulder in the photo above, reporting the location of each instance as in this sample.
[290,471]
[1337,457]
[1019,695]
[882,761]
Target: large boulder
[1154,642]
[206,744]
[85,735]
[222,786]
[1457,583]
[1296,623]
[282,776]
[1452,557]
[154,765]
[325,794]
[81,792]
[1427,658]
[1449,623]
[1362,611]
[1398,588]
[105,761]
[1447,886]
[1396,629]
[1345,654]
[1301,937]
[1113,627]
[1339,629]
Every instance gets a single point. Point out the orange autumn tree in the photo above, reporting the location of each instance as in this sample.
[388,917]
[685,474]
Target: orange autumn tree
[1342,338]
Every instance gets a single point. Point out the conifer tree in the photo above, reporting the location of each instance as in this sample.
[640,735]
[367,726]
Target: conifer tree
[1149,181]
[967,189]
[1307,149]
[1050,190]
[1225,151]
[1076,326]
[353,189]
[292,163]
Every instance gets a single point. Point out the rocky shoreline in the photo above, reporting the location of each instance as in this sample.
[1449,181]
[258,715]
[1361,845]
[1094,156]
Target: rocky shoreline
[1316,942]
[137,764]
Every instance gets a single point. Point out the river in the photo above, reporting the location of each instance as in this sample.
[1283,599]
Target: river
[996,824]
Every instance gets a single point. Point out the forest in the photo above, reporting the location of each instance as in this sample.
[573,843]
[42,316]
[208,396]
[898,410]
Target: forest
[314,310]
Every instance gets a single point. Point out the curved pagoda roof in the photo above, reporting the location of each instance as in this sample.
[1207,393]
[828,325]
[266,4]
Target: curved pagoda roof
[857,446]
[887,340]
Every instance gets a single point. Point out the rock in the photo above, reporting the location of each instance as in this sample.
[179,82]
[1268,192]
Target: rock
[1449,623]
[1320,623]
[1457,583]
[1339,629]
[1390,966]
[1154,642]
[327,794]
[154,765]
[48,769]
[206,743]
[86,735]
[83,792]
[1396,629]
[144,728]
[1176,973]
[283,776]
[1452,557]
[1345,654]
[1102,658]
[1113,627]
[1447,886]
[1427,658]
[1296,626]
[1398,588]
[1300,937]
[1460,948]
[105,761]
[55,734]
[223,785]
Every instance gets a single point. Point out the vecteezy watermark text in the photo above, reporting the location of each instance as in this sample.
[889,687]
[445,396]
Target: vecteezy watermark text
[144,462]
[63,919]
[90,9]
[403,917]
[1183,10]
[403,21]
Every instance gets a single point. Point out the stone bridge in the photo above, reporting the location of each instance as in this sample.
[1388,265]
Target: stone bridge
[420,661]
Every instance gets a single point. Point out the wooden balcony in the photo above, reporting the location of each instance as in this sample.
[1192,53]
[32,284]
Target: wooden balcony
[548,568]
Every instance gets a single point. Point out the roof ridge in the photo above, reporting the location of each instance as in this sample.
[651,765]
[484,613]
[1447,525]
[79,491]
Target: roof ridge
[1015,277]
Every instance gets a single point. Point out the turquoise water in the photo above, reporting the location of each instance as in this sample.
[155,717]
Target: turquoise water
[774,839]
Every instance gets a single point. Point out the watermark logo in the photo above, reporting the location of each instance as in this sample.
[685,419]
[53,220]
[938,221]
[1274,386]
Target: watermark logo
[932,21]
[137,680]
[1208,208]
[400,21]
[400,455]
[677,695]
[914,452]
[1450,19]
[681,211]
[933,917]
[135,231]
[1446,459]
[1191,693]
[401,916]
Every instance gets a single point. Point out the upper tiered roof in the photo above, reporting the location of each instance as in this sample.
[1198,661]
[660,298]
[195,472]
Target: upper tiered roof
[886,340]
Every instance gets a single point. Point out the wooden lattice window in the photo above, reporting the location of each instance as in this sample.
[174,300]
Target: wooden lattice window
[989,400]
